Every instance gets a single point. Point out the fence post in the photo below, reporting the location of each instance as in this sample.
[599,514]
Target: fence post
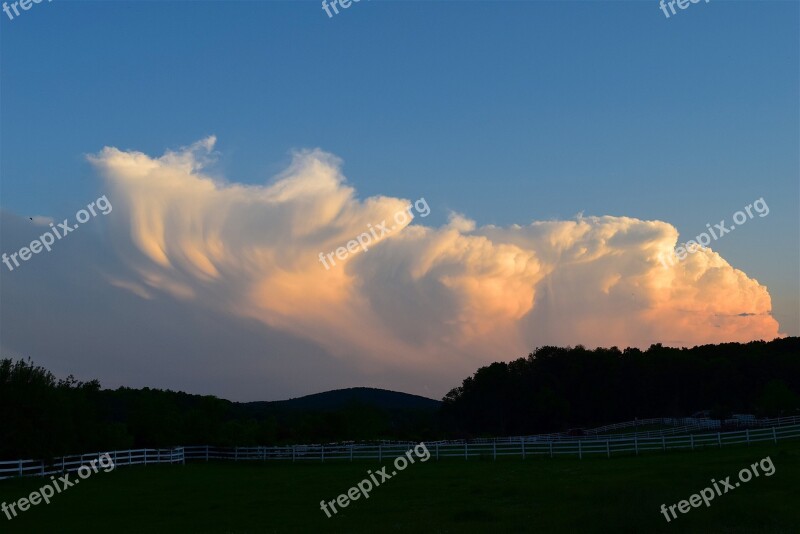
[580,454]
[664,443]
[380,452]
[719,439]
[206,453]
[691,440]
[145,457]
[437,452]
[351,452]
[322,453]
[466,451]
[20,468]
[551,448]
[523,447]
[494,449]
[636,444]
[293,453]
[747,435]
[608,448]
[774,435]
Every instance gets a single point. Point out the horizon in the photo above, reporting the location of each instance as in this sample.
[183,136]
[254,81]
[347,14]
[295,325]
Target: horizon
[346,388]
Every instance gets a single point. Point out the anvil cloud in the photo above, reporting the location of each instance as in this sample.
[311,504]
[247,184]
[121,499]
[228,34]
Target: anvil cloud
[423,299]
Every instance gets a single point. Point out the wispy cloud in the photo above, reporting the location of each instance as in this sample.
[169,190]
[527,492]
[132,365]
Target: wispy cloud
[421,298]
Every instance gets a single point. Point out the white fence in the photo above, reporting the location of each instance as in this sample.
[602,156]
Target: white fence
[688,425]
[68,464]
[696,422]
[522,447]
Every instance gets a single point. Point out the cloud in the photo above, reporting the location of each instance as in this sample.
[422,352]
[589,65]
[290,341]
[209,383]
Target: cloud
[216,287]
[41,220]
[423,297]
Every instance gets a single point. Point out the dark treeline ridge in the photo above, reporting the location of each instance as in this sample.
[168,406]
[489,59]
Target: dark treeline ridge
[553,389]
[42,417]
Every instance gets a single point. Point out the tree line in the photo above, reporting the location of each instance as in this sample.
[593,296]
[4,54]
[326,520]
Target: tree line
[555,389]
[552,389]
[44,417]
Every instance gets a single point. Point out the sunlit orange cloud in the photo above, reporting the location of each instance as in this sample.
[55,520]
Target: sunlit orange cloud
[422,298]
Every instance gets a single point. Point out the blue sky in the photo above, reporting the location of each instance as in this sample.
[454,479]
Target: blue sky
[507,112]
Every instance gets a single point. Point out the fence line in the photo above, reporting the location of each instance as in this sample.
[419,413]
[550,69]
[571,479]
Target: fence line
[488,449]
[699,422]
[493,448]
[69,464]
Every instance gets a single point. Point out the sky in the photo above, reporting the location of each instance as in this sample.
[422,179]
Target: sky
[559,151]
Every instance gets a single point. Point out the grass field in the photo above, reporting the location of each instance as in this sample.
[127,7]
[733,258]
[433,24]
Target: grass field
[535,495]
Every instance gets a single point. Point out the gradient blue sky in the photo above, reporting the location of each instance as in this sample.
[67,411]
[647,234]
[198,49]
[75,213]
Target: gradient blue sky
[507,112]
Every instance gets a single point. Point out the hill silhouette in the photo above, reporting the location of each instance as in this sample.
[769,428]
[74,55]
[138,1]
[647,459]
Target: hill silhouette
[338,399]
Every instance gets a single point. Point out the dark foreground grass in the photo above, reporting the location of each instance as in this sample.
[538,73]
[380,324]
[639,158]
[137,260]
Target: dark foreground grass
[536,495]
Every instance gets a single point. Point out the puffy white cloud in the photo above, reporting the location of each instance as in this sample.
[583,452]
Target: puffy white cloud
[428,300]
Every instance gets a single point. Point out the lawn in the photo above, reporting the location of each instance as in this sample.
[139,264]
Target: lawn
[622,494]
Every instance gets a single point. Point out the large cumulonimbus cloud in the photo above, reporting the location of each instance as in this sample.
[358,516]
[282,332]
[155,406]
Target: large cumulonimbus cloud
[422,298]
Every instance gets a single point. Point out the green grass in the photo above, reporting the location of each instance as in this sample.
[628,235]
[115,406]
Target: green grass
[621,494]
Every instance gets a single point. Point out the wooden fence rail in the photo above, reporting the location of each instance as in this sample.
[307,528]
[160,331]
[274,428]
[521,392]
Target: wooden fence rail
[492,449]
[69,464]
[484,449]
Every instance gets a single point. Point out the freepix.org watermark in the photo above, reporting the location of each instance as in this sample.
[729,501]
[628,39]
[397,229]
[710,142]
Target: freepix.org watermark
[343,3]
[25,5]
[361,241]
[363,488]
[46,492]
[47,239]
[702,240]
[682,4]
[708,494]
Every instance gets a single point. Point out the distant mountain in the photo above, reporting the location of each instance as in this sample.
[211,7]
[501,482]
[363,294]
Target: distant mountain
[340,398]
